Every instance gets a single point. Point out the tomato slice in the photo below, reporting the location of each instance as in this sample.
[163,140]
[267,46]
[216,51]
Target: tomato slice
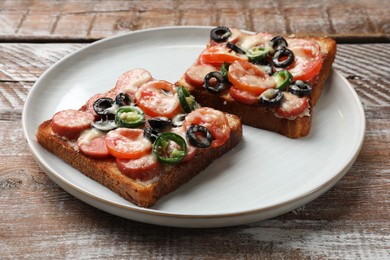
[292,105]
[249,77]
[308,59]
[127,143]
[219,54]
[215,121]
[158,98]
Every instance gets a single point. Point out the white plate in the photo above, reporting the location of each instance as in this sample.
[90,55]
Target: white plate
[265,176]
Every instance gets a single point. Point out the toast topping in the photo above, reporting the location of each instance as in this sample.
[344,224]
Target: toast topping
[249,64]
[92,142]
[162,125]
[292,106]
[215,121]
[71,123]
[144,168]
[158,98]
[130,81]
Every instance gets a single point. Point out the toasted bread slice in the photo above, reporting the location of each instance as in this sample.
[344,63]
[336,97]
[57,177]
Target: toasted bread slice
[264,117]
[328,50]
[142,193]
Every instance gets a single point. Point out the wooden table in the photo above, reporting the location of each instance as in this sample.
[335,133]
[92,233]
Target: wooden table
[40,220]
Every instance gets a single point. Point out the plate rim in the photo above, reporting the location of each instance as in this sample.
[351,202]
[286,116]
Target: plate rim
[52,173]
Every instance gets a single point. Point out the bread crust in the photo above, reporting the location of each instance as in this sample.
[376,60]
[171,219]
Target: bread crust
[263,117]
[144,194]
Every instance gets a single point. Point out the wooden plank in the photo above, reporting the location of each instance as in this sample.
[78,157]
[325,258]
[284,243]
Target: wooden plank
[90,20]
[322,228]
[26,62]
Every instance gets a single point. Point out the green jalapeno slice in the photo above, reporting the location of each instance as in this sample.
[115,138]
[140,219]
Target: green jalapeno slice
[283,79]
[224,71]
[258,53]
[187,101]
[170,148]
[130,117]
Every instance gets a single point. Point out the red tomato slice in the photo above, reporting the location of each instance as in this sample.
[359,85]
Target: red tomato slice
[215,121]
[158,98]
[219,54]
[127,143]
[93,143]
[292,105]
[249,77]
[242,96]
[308,59]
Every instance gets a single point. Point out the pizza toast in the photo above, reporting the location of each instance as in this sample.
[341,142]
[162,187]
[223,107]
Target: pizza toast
[154,164]
[239,73]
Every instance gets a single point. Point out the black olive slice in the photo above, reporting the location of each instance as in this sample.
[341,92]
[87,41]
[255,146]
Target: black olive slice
[178,120]
[101,104]
[199,136]
[235,48]
[214,87]
[151,133]
[159,122]
[104,125]
[271,97]
[300,88]
[123,99]
[278,42]
[266,66]
[285,53]
[220,34]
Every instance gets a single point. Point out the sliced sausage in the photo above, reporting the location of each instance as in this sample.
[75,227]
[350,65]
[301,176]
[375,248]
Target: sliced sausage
[248,41]
[243,96]
[292,106]
[144,168]
[130,81]
[191,150]
[70,123]
[92,142]
[196,73]
[89,105]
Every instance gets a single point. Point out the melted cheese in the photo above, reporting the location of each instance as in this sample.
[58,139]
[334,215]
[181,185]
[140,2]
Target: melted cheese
[88,135]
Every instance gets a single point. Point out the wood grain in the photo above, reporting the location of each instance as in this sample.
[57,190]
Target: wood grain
[88,20]
[351,221]
[41,221]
